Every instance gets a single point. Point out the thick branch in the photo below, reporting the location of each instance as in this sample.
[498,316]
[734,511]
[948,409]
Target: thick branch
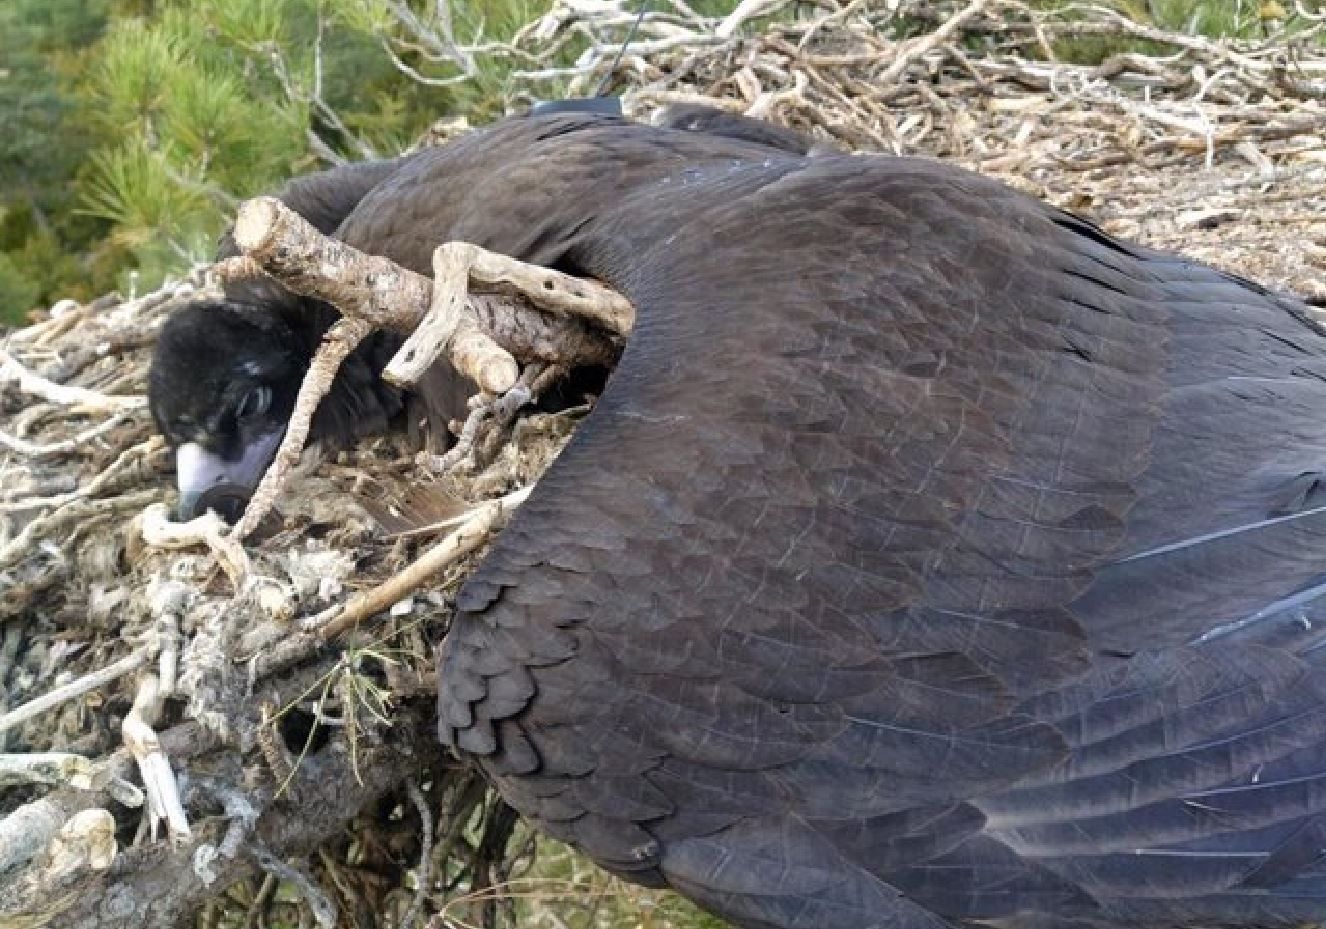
[452,326]
[388,296]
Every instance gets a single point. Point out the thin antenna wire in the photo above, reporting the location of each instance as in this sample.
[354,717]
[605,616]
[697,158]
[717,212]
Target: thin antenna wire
[630,35]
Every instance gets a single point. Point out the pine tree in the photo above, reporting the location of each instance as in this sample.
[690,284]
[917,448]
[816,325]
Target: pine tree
[40,150]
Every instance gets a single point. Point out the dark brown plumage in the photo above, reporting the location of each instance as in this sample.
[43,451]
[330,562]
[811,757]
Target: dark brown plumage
[931,558]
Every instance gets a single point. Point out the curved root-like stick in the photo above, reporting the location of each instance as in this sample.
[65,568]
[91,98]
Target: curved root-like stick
[340,340]
[323,906]
[163,795]
[550,290]
[158,531]
[424,876]
[453,325]
[478,525]
[492,417]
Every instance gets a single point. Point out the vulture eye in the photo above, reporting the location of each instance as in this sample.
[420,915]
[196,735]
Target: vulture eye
[255,402]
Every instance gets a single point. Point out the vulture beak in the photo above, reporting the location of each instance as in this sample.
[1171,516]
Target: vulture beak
[207,481]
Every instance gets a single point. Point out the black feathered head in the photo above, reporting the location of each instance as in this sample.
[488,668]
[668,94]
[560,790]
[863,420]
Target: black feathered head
[223,383]
[221,388]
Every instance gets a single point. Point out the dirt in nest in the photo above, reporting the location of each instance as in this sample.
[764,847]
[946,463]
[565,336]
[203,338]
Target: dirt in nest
[321,752]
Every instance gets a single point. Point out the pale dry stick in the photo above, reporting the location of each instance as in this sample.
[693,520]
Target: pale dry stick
[48,768]
[1119,23]
[341,339]
[49,525]
[549,290]
[322,905]
[918,47]
[500,411]
[64,768]
[746,9]
[163,795]
[369,288]
[451,325]
[157,530]
[478,525]
[34,384]
[133,456]
[88,682]
[33,450]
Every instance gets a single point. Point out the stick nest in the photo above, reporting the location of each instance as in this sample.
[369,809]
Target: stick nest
[167,700]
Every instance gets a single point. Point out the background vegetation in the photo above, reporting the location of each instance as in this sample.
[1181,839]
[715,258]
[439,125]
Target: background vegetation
[134,126]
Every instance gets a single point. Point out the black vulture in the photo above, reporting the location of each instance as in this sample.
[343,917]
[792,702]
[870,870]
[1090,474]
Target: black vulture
[931,558]
[225,373]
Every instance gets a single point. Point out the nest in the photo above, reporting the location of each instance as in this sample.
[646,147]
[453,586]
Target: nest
[188,716]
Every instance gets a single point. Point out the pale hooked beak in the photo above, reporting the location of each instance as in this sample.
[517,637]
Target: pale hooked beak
[207,481]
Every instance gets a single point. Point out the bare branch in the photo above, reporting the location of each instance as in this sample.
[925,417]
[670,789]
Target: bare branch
[73,689]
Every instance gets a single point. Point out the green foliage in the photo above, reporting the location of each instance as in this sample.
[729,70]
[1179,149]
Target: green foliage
[1236,19]
[40,149]
[18,291]
[564,891]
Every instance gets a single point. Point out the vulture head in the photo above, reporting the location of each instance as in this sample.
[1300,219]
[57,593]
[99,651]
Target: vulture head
[221,389]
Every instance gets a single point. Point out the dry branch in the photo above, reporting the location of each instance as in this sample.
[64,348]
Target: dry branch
[90,401]
[341,339]
[159,530]
[76,688]
[391,297]
[473,532]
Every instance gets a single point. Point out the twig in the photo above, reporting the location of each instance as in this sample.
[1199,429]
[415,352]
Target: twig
[477,527]
[930,41]
[324,908]
[115,474]
[424,876]
[65,395]
[342,339]
[157,529]
[163,796]
[33,450]
[746,9]
[65,692]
